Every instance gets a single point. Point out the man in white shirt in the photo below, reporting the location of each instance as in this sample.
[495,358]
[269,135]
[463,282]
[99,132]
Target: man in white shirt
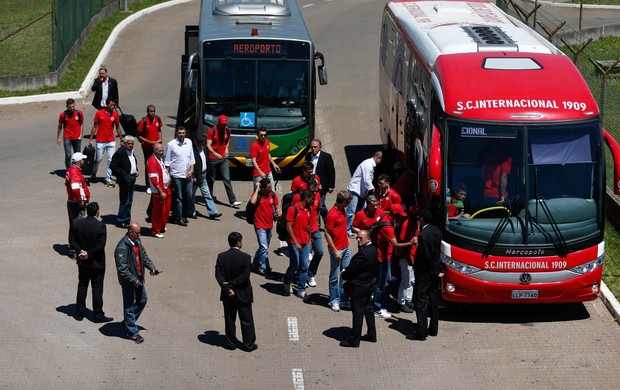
[360,186]
[180,162]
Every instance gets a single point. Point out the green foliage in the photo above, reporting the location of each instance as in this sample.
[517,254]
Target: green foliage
[88,52]
[611,269]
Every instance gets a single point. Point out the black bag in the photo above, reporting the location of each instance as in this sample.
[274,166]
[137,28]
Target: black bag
[128,123]
[89,152]
[250,211]
[375,228]
[281,224]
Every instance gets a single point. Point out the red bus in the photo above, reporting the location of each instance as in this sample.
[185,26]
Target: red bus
[504,142]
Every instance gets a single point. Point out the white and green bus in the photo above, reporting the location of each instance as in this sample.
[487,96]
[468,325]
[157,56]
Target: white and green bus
[253,61]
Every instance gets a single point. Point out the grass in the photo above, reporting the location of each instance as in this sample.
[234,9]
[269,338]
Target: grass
[611,270]
[77,70]
[25,36]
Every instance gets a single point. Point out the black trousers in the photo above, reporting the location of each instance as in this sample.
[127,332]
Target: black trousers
[361,307]
[246,320]
[426,300]
[73,211]
[95,277]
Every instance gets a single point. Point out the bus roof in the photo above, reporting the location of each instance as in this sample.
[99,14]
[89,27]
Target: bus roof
[516,87]
[447,27]
[221,19]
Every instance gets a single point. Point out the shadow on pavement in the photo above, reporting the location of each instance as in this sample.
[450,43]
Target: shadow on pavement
[273,288]
[403,325]
[214,338]
[70,310]
[63,250]
[316,299]
[338,333]
[59,172]
[115,329]
[514,314]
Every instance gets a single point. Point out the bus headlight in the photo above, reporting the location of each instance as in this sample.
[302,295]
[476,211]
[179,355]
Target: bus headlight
[589,266]
[459,267]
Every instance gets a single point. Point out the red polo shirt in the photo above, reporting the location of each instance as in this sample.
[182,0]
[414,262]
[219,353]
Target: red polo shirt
[105,122]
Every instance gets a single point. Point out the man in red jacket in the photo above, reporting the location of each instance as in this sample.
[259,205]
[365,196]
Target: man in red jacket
[159,181]
[78,193]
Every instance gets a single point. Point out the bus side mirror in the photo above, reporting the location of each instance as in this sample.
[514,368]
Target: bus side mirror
[191,71]
[322,74]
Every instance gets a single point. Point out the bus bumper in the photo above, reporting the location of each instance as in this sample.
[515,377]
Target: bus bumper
[459,288]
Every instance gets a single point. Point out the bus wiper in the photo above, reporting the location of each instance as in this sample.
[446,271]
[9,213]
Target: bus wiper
[560,246]
[504,221]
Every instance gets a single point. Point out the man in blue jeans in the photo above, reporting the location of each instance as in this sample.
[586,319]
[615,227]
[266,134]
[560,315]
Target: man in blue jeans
[218,139]
[200,181]
[265,203]
[338,246]
[131,261]
[298,229]
[180,162]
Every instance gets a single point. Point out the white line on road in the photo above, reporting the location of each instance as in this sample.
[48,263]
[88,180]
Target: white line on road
[298,378]
[293,329]
[307,5]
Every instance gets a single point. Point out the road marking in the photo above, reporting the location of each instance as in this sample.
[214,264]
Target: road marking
[307,5]
[293,329]
[298,378]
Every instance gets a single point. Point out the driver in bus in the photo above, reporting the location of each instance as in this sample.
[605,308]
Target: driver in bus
[458,203]
[495,173]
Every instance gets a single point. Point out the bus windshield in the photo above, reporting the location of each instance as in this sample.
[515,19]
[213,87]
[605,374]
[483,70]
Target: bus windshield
[271,93]
[518,184]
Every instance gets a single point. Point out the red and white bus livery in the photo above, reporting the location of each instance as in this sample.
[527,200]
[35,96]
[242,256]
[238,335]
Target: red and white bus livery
[504,140]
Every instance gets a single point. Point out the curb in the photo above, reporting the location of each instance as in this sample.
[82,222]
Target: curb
[562,4]
[610,301]
[85,87]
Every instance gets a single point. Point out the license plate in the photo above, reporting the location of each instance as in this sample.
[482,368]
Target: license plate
[248,162]
[524,294]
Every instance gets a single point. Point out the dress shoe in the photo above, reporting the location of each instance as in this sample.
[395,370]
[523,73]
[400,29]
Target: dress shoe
[185,220]
[416,336]
[405,309]
[78,317]
[103,319]
[230,347]
[349,344]
[214,216]
[369,338]
[432,333]
[122,225]
[252,347]
[181,222]
[410,304]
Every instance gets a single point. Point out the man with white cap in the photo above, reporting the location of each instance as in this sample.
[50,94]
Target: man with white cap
[78,193]
[124,166]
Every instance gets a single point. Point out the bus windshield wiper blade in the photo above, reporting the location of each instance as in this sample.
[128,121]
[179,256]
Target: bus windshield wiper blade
[504,221]
[560,246]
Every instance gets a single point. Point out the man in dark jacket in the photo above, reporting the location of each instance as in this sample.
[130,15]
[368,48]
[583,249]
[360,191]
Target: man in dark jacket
[104,87]
[131,261]
[199,180]
[124,166]
[427,269]
[324,169]
[87,238]
[232,272]
[359,283]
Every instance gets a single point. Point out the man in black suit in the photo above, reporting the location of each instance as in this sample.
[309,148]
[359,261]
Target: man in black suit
[232,272]
[359,282]
[104,87]
[324,169]
[88,237]
[124,166]
[427,269]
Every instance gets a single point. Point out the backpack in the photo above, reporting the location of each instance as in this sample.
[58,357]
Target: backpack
[375,228]
[281,224]
[79,115]
[250,209]
[146,123]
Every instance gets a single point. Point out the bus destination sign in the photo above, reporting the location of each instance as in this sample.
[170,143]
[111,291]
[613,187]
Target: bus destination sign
[253,48]
[481,131]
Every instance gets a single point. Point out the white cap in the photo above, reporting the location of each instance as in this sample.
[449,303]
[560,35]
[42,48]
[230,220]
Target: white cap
[78,157]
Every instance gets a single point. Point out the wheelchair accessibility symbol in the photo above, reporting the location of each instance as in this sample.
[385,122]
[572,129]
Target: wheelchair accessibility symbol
[247,119]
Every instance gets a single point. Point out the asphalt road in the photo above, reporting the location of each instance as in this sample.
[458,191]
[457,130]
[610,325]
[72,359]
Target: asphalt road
[488,347]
